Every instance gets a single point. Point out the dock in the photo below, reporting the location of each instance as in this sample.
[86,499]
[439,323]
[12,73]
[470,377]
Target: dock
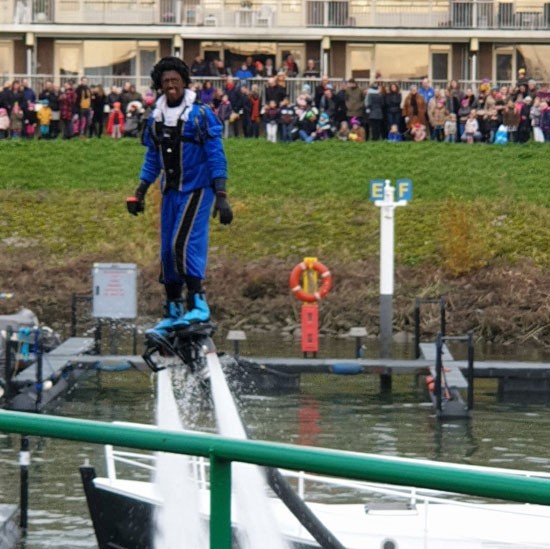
[59,366]
[65,364]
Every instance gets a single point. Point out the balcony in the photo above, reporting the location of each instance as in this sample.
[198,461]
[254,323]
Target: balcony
[280,14]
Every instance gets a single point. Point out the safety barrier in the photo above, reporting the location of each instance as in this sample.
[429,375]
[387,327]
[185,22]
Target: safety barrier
[223,451]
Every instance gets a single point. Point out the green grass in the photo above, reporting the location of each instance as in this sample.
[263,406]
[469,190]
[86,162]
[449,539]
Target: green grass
[67,199]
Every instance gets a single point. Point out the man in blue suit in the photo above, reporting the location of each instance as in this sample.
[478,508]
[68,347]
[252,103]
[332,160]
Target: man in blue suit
[184,146]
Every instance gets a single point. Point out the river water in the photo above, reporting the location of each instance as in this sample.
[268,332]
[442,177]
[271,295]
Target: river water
[344,412]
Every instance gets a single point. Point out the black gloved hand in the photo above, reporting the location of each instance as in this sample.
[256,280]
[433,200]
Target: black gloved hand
[222,206]
[136,203]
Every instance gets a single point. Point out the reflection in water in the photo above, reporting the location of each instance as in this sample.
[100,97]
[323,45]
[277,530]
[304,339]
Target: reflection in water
[308,422]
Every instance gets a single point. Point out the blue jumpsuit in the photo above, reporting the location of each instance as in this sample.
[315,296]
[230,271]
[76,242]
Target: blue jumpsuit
[187,184]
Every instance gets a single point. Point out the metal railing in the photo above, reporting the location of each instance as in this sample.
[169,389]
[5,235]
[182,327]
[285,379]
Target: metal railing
[222,451]
[457,14]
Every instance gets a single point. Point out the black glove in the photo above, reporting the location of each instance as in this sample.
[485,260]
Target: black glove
[136,203]
[222,206]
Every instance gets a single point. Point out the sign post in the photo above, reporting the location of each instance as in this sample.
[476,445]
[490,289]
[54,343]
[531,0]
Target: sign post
[383,196]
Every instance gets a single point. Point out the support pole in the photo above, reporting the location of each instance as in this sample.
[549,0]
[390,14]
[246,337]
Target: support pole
[387,207]
[386,270]
[39,369]
[24,461]
[470,371]
[220,503]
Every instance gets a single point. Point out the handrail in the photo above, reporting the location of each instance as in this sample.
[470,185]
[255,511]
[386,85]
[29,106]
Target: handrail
[222,451]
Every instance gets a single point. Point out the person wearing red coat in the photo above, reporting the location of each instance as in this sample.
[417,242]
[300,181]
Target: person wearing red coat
[115,124]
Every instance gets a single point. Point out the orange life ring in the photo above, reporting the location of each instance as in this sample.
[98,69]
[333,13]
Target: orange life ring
[296,286]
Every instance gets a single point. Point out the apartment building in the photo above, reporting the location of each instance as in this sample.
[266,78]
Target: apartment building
[395,39]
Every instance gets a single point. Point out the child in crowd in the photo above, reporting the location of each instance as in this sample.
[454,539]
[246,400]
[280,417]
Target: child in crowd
[44,116]
[343,131]
[29,121]
[287,121]
[418,132]
[357,132]
[394,135]
[471,128]
[449,129]
[323,130]
[4,124]
[511,119]
[16,121]
[133,119]
[224,114]
[308,126]
[115,124]
[437,120]
[271,120]
[491,114]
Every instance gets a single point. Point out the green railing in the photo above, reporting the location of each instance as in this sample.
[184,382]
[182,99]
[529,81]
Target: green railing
[222,451]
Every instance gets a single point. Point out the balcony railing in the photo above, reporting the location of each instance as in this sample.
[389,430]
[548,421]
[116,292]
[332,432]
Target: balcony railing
[453,14]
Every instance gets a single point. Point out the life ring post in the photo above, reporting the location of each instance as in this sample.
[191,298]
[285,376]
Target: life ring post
[304,284]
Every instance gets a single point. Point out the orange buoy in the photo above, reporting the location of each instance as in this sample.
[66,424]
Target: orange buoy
[296,284]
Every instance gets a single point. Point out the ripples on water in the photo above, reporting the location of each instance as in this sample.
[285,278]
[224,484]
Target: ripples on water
[344,412]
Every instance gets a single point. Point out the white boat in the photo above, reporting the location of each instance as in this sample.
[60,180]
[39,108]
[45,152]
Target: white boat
[378,516]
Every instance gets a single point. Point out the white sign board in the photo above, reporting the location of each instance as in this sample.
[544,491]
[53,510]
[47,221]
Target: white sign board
[114,290]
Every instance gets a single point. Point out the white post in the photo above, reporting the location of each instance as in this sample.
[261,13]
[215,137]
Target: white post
[387,207]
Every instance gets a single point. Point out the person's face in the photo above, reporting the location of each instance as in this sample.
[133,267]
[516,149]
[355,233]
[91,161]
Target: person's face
[172,86]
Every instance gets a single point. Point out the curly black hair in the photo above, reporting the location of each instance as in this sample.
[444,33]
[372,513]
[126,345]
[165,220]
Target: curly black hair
[170,64]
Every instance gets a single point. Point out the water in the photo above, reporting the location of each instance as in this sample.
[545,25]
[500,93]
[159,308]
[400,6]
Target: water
[250,485]
[335,412]
[178,518]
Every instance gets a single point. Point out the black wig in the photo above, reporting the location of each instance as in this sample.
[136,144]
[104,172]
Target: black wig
[170,64]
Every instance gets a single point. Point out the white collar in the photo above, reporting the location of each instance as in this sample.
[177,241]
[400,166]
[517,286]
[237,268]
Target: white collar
[170,115]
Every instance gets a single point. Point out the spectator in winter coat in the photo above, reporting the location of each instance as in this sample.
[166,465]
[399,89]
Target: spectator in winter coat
[206,95]
[224,114]
[327,104]
[271,121]
[273,92]
[4,123]
[414,108]
[114,97]
[99,100]
[392,104]
[236,99]
[67,102]
[354,101]
[287,120]
[545,120]
[83,105]
[51,93]
[115,123]
[16,121]
[374,108]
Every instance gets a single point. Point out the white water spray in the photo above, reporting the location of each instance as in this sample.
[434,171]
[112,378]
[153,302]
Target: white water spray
[258,527]
[177,520]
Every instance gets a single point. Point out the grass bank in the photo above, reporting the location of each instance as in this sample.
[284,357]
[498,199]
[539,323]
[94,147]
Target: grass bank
[479,203]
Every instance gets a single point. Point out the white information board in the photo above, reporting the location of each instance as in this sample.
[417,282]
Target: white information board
[115,290]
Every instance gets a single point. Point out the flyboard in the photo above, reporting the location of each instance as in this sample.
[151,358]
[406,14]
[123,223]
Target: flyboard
[193,349]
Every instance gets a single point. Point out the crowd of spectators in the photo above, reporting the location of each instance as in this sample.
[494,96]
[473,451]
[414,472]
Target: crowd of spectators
[72,110]
[255,102]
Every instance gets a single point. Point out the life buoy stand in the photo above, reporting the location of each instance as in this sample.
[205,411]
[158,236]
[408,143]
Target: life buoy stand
[295,282]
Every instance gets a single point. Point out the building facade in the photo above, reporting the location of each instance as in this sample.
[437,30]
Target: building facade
[396,40]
